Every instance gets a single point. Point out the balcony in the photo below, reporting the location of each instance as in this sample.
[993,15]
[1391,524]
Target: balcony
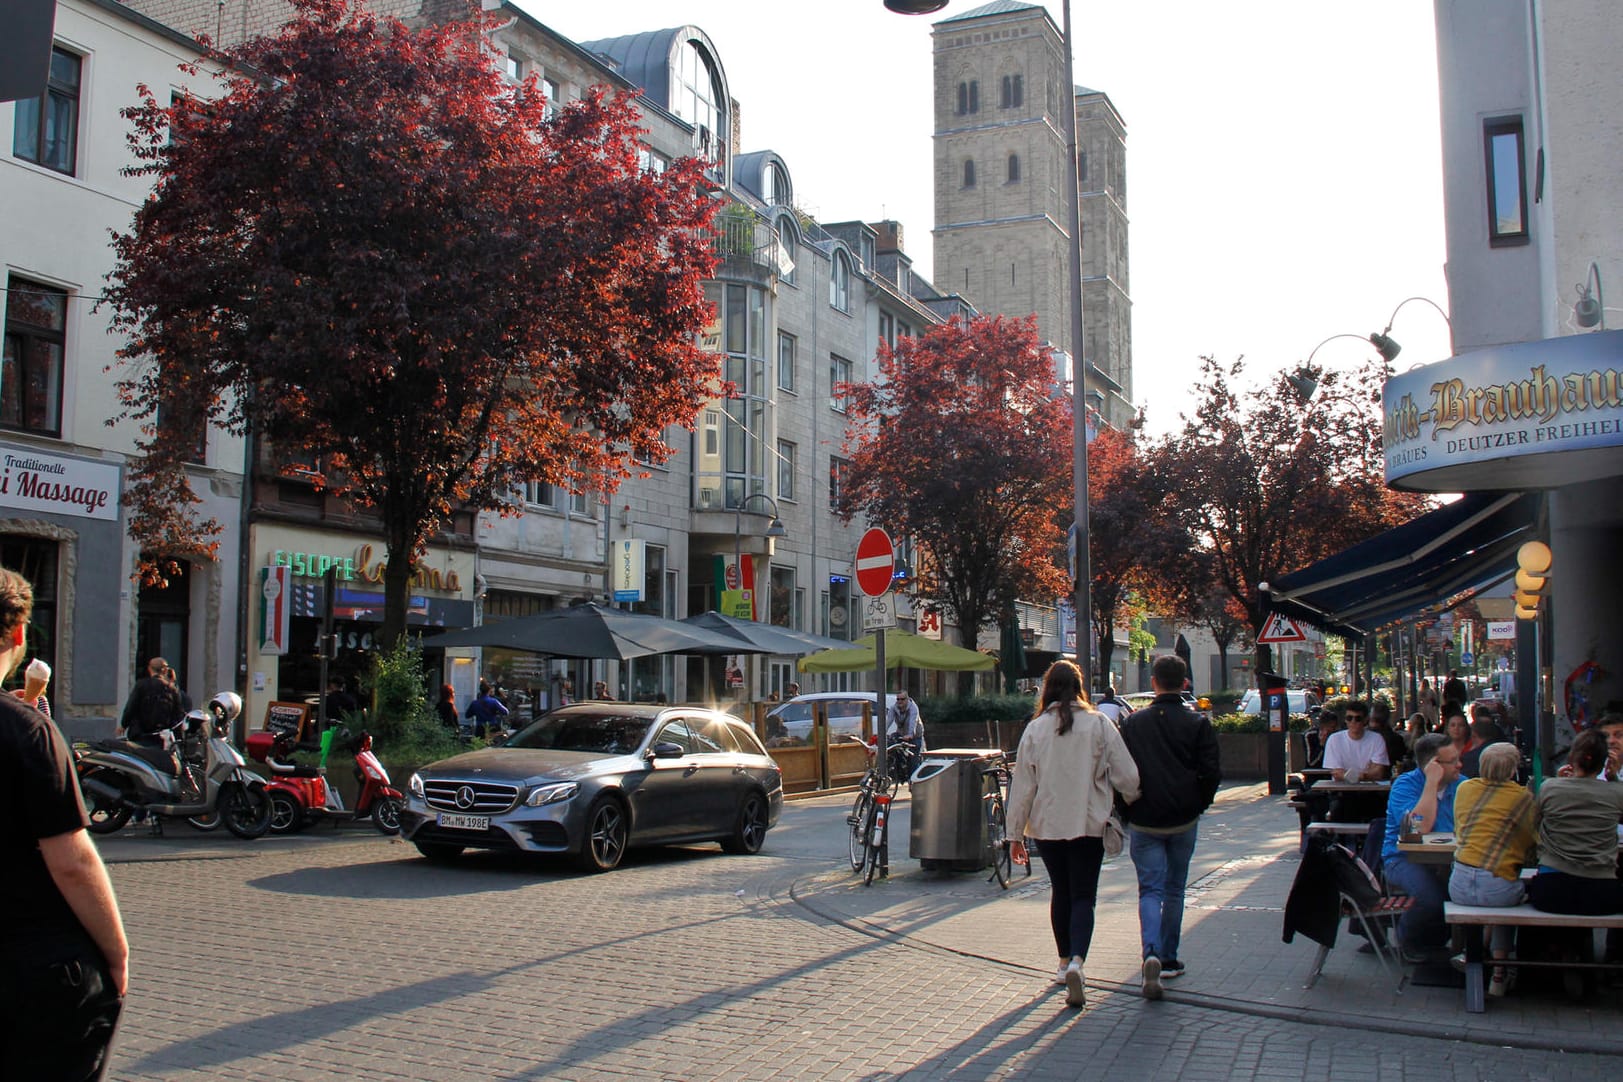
[746,244]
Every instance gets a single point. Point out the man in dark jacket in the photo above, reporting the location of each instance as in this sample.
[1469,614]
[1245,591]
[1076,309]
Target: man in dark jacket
[1178,768]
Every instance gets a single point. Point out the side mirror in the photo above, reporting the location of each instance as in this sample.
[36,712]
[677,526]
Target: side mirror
[665,749]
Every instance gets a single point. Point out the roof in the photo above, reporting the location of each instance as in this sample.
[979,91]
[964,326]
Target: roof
[1465,546]
[996,7]
[643,59]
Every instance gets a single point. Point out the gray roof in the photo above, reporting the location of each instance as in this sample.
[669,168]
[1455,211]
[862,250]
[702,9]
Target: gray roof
[996,7]
[642,58]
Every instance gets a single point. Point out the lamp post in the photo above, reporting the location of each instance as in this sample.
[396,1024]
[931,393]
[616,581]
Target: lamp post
[1082,598]
[1389,349]
[774,531]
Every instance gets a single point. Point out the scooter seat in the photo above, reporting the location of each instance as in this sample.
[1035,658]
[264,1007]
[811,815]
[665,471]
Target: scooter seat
[160,759]
[300,771]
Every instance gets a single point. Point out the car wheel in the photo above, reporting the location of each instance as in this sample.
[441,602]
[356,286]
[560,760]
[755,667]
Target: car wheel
[287,814]
[606,834]
[439,852]
[749,829]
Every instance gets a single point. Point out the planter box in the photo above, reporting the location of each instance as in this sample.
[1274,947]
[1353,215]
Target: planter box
[1245,755]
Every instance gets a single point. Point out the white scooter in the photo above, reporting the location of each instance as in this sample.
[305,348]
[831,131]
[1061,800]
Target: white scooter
[196,774]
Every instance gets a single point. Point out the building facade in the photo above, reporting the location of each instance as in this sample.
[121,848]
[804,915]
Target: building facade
[1001,236]
[62,466]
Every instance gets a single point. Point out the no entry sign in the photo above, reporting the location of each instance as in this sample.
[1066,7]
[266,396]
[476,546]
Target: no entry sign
[876,559]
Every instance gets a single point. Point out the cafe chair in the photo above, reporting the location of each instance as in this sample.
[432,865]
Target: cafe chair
[1332,883]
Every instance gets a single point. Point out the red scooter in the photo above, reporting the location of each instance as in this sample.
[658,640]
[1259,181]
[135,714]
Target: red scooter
[299,795]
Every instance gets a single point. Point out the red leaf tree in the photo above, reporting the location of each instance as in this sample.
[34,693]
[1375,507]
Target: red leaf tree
[961,445]
[1268,484]
[373,252]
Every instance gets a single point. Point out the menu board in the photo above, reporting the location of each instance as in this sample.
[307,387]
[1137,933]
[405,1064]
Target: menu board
[287,717]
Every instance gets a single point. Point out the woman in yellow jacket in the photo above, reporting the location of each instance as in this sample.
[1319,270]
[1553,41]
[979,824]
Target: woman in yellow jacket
[1070,764]
[1494,824]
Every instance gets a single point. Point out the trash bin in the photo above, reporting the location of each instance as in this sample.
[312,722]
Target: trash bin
[947,821]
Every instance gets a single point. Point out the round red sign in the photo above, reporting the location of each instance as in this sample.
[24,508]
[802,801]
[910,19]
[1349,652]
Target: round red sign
[876,560]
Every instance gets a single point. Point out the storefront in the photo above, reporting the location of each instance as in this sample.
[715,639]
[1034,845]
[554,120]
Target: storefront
[284,659]
[61,528]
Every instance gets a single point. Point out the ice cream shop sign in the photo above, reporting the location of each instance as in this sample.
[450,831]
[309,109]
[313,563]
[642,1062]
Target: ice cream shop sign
[366,565]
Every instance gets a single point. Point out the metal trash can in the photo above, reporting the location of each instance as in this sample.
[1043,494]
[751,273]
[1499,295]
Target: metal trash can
[947,820]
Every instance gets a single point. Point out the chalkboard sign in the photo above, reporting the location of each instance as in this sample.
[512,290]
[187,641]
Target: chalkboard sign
[287,718]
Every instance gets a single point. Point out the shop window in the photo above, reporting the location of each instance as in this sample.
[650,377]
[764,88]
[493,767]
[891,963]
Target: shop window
[35,559]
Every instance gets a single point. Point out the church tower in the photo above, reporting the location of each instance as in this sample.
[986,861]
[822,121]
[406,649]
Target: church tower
[1000,234]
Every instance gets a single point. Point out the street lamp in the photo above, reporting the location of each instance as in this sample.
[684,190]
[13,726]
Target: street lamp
[1388,347]
[1082,599]
[774,531]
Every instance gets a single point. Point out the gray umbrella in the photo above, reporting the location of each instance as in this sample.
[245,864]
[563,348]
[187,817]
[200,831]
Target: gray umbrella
[591,631]
[769,638]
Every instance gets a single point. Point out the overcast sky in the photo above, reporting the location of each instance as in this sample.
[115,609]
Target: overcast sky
[1283,165]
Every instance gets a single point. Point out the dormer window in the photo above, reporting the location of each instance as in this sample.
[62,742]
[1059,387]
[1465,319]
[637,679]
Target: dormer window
[776,182]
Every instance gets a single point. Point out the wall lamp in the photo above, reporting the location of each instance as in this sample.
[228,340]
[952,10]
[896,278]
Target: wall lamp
[1383,341]
[1590,310]
[1305,380]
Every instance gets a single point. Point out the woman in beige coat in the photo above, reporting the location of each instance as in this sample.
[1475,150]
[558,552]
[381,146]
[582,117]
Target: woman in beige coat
[1070,764]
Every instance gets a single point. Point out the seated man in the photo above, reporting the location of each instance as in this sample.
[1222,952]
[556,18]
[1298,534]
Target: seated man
[1380,721]
[1427,791]
[1316,737]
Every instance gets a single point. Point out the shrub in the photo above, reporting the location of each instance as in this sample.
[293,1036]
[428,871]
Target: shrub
[404,727]
[1252,723]
[976,709]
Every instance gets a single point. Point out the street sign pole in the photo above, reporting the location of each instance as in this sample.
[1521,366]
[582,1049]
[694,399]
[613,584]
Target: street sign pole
[874,565]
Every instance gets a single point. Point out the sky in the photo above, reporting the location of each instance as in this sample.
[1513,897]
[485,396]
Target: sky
[1284,177]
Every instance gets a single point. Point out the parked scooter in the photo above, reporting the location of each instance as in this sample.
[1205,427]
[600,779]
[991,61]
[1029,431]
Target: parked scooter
[196,775]
[300,795]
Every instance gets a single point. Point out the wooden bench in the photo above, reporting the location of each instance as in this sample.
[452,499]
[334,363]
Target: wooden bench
[1474,918]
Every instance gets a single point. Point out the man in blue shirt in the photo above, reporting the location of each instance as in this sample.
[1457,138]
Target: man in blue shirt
[1427,790]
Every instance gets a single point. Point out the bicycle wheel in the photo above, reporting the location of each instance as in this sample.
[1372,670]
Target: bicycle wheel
[998,838]
[857,829]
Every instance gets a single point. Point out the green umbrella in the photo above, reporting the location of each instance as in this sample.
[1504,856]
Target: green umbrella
[1012,649]
[903,650]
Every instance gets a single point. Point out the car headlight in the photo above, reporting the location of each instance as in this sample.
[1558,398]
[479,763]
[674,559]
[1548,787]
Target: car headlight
[415,786]
[552,794]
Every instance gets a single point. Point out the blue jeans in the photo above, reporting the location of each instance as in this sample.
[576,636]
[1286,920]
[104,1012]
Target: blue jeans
[1422,927]
[1162,861]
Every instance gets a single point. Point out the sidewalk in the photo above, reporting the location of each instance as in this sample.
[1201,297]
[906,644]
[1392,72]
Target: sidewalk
[1232,942]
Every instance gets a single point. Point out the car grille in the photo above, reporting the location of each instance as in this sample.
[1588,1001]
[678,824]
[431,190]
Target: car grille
[488,797]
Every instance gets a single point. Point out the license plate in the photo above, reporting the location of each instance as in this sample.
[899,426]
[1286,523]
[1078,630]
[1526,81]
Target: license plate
[457,821]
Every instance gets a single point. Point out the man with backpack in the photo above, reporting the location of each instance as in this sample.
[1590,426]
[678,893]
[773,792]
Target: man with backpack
[153,706]
[1179,769]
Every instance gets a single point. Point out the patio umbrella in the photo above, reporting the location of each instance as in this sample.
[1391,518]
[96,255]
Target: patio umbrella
[1012,653]
[770,638]
[591,631]
[902,651]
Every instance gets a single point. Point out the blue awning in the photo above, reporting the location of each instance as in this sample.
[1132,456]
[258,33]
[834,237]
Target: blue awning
[1459,548]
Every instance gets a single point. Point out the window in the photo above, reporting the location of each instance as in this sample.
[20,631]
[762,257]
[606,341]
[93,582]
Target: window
[969,173]
[887,329]
[651,161]
[780,609]
[47,127]
[786,470]
[786,362]
[1081,166]
[778,192]
[541,494]
[839,371]
[696,97]
[963,98]
[839,283]
[789,237]
[31,371]
[515,67]
[549,87]
[974,96]
[969,97]
[839,474]
[1012,93]
[1507,189]
[195,432]
[36,559]
[1014,169]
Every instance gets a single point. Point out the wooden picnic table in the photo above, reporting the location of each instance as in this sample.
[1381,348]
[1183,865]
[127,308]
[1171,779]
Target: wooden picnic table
[1432,848]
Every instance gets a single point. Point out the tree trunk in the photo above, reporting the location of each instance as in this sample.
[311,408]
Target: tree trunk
[396,592]
[969,638]
[1107,651]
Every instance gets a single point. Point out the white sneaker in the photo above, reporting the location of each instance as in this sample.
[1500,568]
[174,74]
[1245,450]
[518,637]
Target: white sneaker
[1059,975]
[1152,978]
[1075,989]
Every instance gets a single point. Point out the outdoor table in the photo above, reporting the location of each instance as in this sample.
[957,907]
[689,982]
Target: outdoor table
[1316,773]
[1360,801]
[1432,848]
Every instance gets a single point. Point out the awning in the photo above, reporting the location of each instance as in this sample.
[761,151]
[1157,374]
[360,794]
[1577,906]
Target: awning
[1466,546]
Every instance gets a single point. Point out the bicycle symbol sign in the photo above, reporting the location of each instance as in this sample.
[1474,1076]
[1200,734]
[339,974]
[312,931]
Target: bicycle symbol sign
[878,612]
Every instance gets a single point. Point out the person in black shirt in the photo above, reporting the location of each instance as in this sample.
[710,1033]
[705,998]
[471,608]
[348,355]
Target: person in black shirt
[64,961]
[153,706]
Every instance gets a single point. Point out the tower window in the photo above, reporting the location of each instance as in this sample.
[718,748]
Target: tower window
[1014,169]
[1012,92]
[969,173]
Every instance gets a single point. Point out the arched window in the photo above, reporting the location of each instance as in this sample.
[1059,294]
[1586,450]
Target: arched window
[789,237]
[974,96]
[778,192]
[698,99]
[839,283]
[1012,92]
[1014,169]
[969,173]
[963,98]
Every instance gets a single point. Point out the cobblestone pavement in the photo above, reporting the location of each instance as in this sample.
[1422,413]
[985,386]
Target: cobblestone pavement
[344,955]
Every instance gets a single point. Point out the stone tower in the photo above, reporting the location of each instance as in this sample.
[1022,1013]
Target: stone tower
[1000,235]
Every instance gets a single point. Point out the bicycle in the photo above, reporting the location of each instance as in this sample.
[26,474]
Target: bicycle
[995,803]
[868,825]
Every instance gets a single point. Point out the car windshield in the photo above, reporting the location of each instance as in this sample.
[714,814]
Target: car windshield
[606,733]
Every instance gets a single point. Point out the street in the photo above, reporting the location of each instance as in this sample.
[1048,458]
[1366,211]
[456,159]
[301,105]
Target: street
[345,955]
